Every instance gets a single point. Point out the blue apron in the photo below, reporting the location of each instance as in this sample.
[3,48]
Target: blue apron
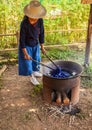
[26,67]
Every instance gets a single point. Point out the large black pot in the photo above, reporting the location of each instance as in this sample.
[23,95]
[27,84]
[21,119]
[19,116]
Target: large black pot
[60,84]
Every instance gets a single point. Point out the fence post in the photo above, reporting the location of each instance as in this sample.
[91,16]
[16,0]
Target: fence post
[88,41]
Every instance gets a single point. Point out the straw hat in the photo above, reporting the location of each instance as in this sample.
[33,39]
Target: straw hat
[34,9]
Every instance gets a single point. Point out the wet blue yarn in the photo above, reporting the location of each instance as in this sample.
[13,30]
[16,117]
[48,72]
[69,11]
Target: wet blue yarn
[59,73]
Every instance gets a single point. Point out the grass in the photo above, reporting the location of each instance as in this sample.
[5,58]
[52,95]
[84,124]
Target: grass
[9,55]
[63,53]
[87,78]
[36,90]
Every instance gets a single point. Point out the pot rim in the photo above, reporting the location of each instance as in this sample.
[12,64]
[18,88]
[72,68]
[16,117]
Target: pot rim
[70,77]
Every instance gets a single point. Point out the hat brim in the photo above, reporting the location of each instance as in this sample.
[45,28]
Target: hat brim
[33,14]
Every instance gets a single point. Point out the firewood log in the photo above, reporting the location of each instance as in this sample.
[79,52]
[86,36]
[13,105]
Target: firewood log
[58,99]
[66,100]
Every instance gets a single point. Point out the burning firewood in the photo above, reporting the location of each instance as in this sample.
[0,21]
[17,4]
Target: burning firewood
[58,99]
[62,96]
[66,100]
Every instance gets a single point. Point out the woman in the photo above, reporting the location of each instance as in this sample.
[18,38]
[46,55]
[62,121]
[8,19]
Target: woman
[31,39]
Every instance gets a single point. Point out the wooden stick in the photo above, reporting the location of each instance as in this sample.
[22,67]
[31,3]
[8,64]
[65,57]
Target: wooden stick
[4,61]
[52,31]
[11,34]
[70,30]
[3,69]
[47,46]
[66,100]
[9,49]
[58,100]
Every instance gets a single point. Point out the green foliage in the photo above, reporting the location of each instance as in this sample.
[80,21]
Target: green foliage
[10,55]
[74,15]
[87,77]
[36,90]
[65,53]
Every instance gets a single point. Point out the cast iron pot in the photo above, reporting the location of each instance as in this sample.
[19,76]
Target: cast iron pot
[60,84]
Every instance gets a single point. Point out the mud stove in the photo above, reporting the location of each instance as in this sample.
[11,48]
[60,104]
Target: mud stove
[62,90]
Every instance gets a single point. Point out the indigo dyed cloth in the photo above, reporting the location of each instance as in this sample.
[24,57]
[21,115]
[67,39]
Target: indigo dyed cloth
[59,73]
[26,67]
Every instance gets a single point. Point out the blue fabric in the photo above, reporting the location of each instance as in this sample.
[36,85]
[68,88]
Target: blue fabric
[26,67]
[31,35]
[59,73]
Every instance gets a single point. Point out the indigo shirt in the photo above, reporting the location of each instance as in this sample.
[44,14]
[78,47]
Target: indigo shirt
[31,35]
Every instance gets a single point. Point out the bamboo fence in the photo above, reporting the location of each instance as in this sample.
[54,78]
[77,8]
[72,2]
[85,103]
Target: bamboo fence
[16,34]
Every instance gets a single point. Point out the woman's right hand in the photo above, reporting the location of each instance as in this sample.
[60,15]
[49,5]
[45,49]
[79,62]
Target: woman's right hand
[27,57]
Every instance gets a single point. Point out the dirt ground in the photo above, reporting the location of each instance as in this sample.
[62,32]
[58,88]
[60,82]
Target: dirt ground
[20,110]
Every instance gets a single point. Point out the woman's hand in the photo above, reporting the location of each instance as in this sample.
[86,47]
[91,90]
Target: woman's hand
[27,57]
[43,50]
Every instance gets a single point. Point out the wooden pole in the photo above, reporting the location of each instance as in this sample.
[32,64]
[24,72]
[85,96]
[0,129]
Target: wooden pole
[3,69]
[88,42]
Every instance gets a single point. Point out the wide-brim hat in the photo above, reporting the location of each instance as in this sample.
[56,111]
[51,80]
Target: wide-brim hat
[35,10]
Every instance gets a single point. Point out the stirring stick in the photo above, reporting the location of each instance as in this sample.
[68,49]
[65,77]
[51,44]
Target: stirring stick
[51,60]
[42,64]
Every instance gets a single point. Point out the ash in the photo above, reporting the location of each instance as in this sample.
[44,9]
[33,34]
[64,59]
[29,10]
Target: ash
[63,109]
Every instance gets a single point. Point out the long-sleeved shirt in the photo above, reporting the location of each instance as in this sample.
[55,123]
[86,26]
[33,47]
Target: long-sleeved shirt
[31,35]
